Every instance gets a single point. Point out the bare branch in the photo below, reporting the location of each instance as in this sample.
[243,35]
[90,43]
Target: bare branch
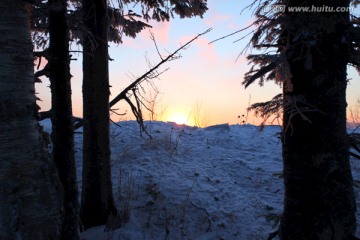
[116,113]
[122,95]
[226,36]
[354,155]
[137,115]
[44,115]
[43,72]
[39,54]
[151,74]
[152,36]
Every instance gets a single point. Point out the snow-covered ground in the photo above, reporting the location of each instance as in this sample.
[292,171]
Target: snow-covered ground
[220,182]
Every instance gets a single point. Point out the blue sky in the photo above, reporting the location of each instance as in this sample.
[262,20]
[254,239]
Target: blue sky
[206,74]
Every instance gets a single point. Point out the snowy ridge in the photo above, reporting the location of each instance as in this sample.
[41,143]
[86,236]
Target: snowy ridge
[222,182]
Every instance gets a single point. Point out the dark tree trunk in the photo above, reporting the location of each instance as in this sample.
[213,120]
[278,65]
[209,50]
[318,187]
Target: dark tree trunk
[61,116]
[319,199]
[97,201]
[30,191]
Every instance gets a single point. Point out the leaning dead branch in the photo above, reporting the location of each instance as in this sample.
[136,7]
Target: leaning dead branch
[132,91]
[145,76]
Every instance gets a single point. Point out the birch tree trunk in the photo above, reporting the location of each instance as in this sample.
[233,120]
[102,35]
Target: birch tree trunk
[30,191]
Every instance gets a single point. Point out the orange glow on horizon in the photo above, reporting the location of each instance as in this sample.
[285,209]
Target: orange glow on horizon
[179,118]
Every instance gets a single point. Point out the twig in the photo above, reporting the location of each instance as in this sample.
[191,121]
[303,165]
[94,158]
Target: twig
[43,72]
[145,75]
[138,117]
[115,123]
[44,115]
[152,36]
[232,33]
[354,155]
[119,114]
[152,73]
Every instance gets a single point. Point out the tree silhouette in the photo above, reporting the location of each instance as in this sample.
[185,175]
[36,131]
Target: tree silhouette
[93,33]
[308,53]
[97,200]
[62,134]
[30,192]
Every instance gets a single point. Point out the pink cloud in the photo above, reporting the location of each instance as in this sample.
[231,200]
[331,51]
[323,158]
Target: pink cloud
[203,49]
[161,32]
[129,42]
[207,51]
[216,18]
[159,29]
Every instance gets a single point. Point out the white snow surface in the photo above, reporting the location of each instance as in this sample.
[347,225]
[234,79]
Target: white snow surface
[217,183]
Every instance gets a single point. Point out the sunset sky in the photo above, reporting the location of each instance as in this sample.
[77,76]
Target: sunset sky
[206,75]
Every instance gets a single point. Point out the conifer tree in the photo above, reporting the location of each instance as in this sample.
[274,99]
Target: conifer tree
[30,190]
[313,51]
[97,202]
[62,134]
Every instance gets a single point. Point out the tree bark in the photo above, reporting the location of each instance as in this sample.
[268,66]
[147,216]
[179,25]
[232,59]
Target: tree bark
[61,115]
[97,201]
[30,191]
[319,199]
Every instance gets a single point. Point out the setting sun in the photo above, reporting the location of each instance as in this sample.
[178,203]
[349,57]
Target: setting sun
[179,118]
